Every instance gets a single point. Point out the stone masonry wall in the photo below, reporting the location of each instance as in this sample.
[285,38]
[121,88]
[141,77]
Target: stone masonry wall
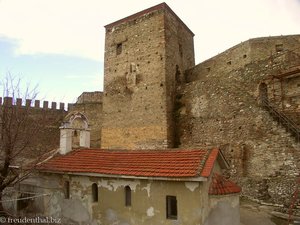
[90,104]
[179,57]
[133,101]
[49,119]
[221,109]
[247,52]
[139,80]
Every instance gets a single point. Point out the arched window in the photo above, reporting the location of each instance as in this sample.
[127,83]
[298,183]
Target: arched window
[67,189]
[95,192]
[127,196]
[263,93]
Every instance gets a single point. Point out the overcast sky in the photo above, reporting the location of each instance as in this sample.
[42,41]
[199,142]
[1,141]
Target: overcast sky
[59,44]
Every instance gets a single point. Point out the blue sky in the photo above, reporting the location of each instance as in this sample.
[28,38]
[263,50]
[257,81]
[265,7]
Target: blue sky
[59,77]
[59,44]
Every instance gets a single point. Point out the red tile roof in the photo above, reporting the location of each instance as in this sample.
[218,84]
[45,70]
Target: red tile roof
[222,186]
[144,163]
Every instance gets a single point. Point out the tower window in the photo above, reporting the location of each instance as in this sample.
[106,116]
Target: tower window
[279,47]
[95,192]
[119,48]
[180,50]
[67,189]
[127,196]
[171,207]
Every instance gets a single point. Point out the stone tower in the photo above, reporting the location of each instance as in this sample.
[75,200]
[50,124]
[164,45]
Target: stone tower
[145,56]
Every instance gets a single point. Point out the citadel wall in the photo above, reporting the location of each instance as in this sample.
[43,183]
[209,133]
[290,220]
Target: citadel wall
[244,53]
[47,117]
[220,107]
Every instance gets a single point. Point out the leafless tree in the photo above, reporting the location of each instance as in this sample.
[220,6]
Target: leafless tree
[18,131]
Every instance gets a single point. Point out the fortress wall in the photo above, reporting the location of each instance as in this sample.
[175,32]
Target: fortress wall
[244,53]
[221,109]
[48,117]
[90,97]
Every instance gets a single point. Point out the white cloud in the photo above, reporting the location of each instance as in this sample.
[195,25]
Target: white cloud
[75,27]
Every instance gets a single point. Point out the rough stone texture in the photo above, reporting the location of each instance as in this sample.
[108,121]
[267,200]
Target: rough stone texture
[90,105]
[251,51]
[143,57]
[220,107]
[45,125]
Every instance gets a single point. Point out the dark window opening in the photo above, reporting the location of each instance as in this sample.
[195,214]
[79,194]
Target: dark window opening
[127,196]
[76,139]
[279,47]
[263,94]
[24,201]
[119,48]
[171,207]
[95,192]
[180,50]
[67,189]
[244,56]
[229,63]
[208,69]
[177,74]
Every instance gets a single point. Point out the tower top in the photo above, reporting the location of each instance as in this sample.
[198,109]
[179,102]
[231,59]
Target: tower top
[160,6]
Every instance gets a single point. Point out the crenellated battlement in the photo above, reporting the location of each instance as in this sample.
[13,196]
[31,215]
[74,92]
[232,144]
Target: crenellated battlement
[34,104]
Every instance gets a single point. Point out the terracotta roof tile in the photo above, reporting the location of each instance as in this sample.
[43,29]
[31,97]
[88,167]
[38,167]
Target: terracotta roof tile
[209,163]
[221,186]
[145,163]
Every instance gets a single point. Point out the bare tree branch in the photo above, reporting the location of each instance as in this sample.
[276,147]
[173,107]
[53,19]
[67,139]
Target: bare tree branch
[18,131]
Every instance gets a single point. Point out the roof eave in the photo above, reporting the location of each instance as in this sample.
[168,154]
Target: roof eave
[189,179]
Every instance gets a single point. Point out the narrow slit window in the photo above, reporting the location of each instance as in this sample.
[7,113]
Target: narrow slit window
[67,189]
[119,48]
[171,207]
[95,192]
[180,50]
[127,196]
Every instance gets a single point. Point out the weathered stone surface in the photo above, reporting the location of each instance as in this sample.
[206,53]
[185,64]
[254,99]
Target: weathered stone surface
[90,105]
[220,107]
[144,60]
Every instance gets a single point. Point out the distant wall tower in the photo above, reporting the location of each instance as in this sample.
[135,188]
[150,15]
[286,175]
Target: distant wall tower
[145,57]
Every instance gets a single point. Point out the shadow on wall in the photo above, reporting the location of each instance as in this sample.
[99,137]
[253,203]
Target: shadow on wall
[224,213]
